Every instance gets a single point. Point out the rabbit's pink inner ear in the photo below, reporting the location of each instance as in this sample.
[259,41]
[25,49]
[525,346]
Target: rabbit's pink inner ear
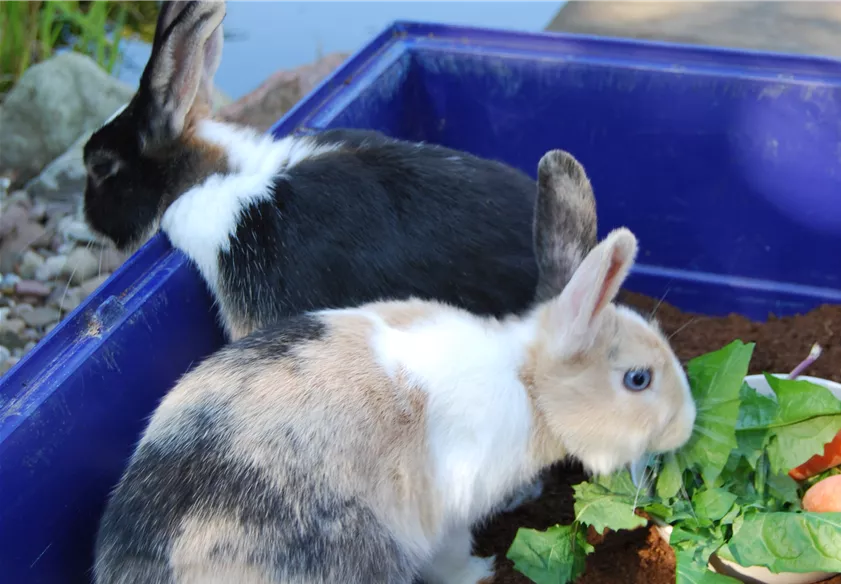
[620,252]
[212,58]
[610,285]
[179,68]
[595,284]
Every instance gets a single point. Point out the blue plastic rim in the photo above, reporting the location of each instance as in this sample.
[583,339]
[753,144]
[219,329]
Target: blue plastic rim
[727,165]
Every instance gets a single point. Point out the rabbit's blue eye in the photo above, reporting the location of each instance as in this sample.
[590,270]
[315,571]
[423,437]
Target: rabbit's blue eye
[637,379]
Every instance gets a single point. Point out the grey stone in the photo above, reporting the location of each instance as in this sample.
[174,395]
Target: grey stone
[5,181]
[70,300]
[41,317]
[112,259]
[19,309]
[17,235]
[20,197]
[32,288]
[74,229]
[51,269]
[14,325]
[82,264]
[58,210]
[88,287]
[10,333]
[51,106]
[30,336]
[63,178]
[38,212]
[792,27]
[5,354]
[30,261]
[29,346]
[12,216]
[8,283]
[265,105]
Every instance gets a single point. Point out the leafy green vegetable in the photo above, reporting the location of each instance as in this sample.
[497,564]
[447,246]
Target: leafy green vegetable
[796,443]
[788,542]
[608,503]
[690,572]
[727,491]
[755,410]
[713,503]
[801,400]
[555,556]
[716,380]
[669,478]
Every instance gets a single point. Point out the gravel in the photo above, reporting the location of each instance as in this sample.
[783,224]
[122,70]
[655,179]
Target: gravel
[49,263]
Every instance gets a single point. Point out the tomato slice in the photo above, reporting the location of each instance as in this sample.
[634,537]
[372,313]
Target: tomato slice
[831,457]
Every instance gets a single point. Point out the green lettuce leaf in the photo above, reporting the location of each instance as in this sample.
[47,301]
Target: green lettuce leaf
[756,410]
[555,556]
[713,504]
[669,478]
[784,490]
[716,379]
[608,502]
[794,444]
[787,542]
[690,572]
[801,400]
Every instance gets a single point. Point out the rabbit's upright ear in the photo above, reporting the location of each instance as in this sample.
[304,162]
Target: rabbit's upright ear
[564,221]
[179,75]
[593,286]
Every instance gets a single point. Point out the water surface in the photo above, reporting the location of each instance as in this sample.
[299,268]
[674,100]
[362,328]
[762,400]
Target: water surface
[266,36]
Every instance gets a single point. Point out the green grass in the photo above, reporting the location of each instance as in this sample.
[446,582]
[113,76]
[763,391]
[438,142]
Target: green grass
[32,31]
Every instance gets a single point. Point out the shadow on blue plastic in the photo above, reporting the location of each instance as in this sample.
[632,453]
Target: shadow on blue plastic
[725,163]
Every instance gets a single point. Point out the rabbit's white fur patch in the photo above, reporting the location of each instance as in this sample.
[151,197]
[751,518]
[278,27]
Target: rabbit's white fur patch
[202,221]
[478,432]
[453,561]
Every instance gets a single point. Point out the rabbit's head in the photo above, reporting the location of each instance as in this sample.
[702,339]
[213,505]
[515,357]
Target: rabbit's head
[148,153]
[606,383]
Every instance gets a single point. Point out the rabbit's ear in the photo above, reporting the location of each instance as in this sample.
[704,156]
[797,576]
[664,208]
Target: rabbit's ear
[564,221]
[185,56]
[593,286]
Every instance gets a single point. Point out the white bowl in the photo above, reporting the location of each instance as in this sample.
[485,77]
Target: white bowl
[759,574]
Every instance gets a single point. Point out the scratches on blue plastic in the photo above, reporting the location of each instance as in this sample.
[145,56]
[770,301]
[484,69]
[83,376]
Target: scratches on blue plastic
[106,316]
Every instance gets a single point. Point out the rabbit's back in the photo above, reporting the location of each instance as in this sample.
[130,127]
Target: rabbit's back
[250,468]
[369,218]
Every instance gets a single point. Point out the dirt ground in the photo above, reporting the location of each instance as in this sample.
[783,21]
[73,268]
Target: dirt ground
[640,556]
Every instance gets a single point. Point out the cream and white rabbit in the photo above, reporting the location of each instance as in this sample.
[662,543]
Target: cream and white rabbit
[359,445]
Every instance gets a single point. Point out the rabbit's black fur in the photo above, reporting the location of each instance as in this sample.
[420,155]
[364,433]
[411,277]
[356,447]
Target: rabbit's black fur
[352,216]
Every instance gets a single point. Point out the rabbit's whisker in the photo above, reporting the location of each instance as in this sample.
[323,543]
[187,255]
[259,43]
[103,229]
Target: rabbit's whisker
[683,326]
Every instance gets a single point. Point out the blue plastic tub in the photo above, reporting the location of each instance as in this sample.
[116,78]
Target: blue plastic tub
[726,164]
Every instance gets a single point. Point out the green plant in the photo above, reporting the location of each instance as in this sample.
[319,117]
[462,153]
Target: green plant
[31,32]
[726,492]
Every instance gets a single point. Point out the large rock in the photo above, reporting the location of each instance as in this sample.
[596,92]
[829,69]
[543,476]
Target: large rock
[791,27]
[276,95]
[51,106]
[63,178]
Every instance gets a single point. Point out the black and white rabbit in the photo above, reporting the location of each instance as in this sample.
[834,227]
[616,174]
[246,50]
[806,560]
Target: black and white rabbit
[359,445]
[280,226]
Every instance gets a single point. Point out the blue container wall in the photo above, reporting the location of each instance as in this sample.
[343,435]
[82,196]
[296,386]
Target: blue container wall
[726,165]
[732,183]
[66,433]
